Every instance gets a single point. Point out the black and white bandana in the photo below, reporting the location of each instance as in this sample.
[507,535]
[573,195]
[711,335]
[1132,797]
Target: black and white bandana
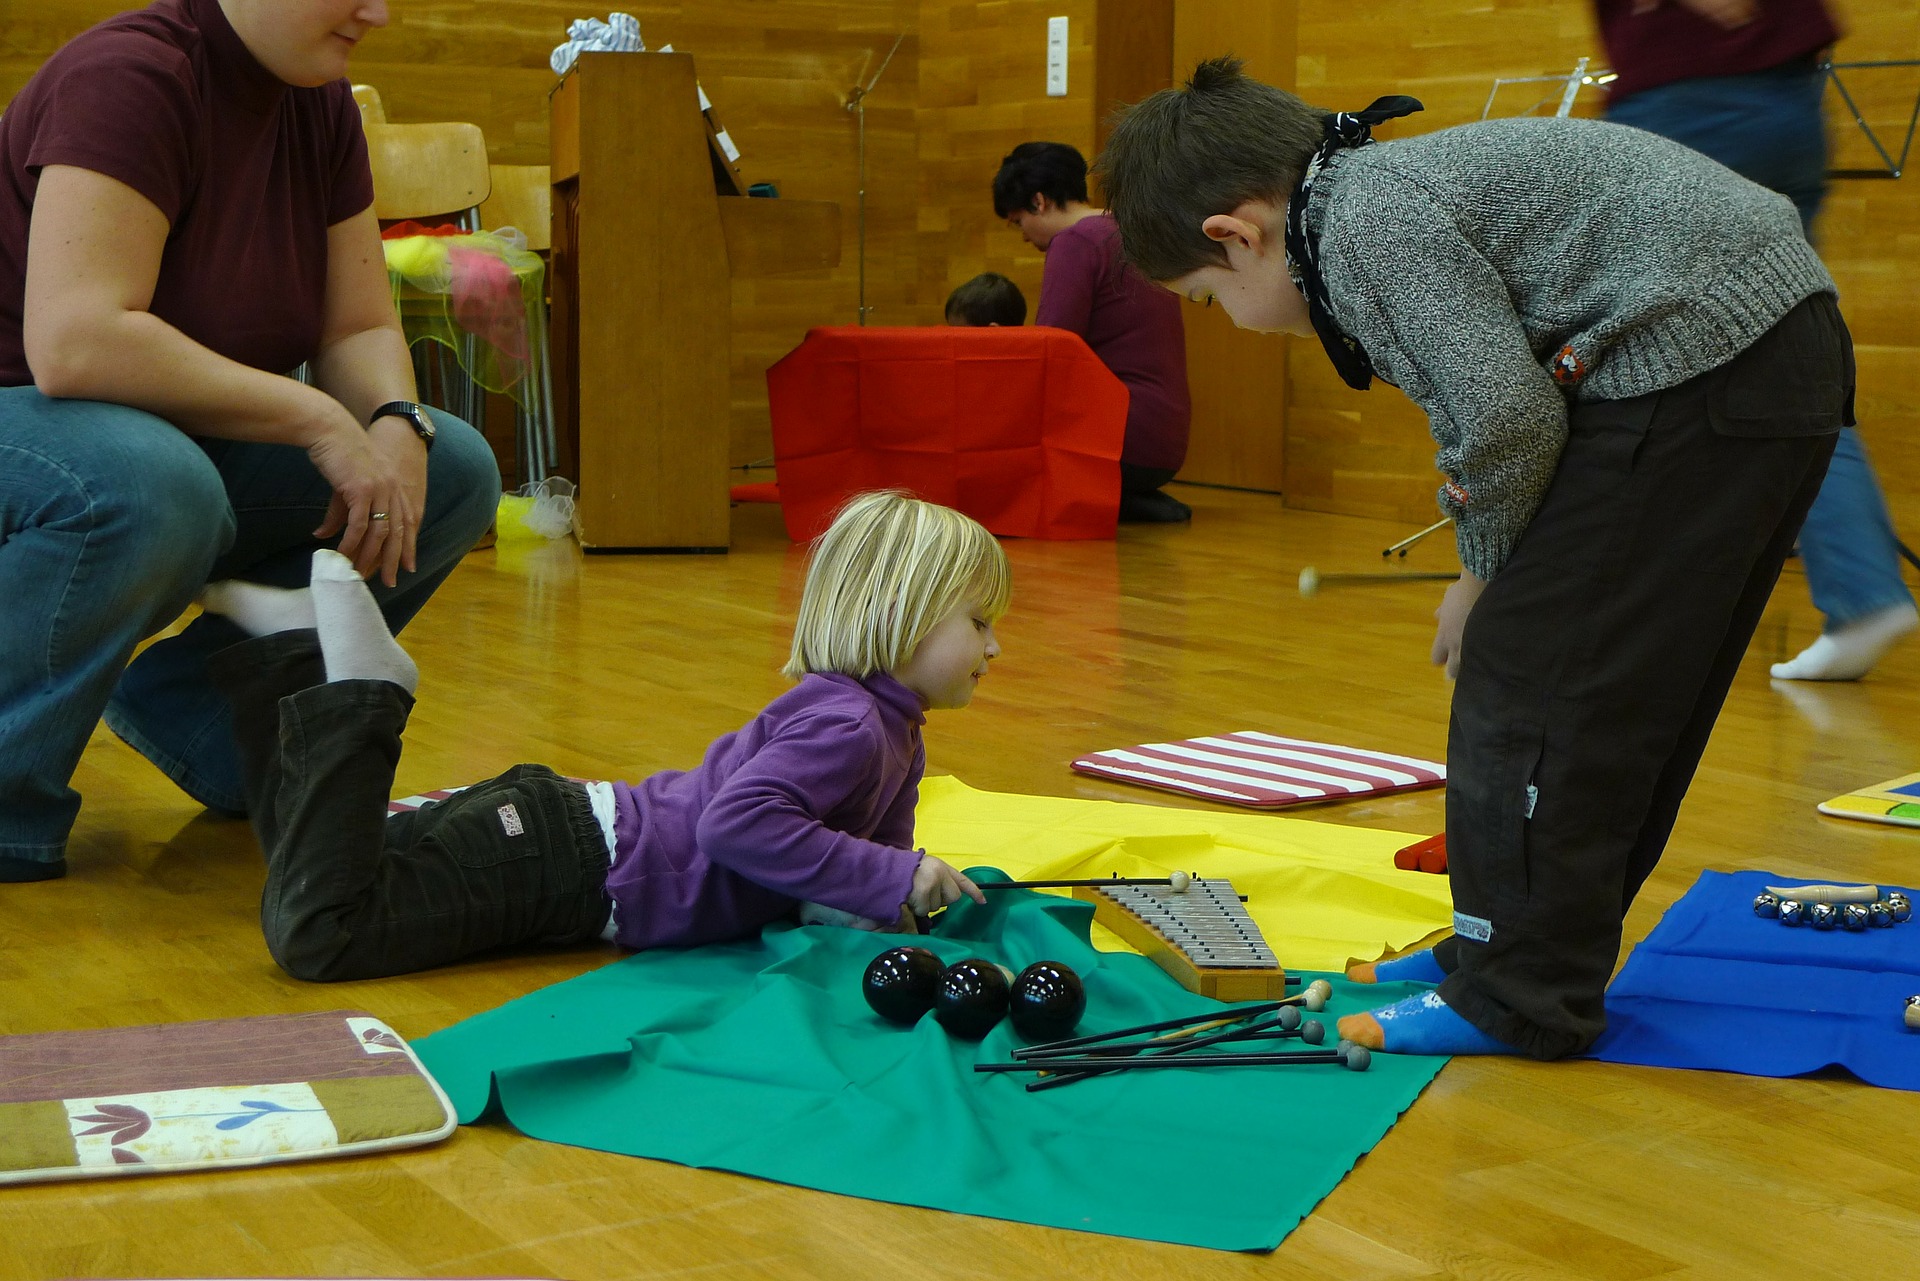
[1344,129]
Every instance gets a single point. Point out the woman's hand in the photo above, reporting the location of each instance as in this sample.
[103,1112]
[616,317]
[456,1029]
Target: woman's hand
[1452,616]
[379,480]
[936,884]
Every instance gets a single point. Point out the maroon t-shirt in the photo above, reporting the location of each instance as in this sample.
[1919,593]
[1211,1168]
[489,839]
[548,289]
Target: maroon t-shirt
[249,172]
[1132,325]
[1652,47]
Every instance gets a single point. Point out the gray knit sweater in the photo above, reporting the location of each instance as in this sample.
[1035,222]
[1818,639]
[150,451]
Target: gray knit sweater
[1478,263]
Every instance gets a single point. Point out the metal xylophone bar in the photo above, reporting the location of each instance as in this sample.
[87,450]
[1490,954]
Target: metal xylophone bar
[1207,922]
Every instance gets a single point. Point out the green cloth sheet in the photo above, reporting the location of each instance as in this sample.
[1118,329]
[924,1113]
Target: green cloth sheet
[761,1057]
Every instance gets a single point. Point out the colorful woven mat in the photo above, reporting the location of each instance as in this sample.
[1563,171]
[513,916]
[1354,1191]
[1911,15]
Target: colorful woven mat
[762,1058]
[1321,894]
[1716,987]
[171,1097]
[1896,801]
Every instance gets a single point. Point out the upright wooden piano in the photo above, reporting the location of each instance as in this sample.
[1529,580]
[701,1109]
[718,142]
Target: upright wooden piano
[644,245]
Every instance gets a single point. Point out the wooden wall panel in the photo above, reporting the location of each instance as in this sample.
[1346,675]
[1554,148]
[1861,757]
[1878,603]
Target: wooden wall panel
[968,83]
[1368,453]
[778,77]
[1238,379]
[1134,53]
[982,92]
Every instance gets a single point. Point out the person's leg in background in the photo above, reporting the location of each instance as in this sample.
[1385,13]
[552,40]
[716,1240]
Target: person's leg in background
[1852,558]
[1143,501]
[166,708]
[110,520]
[1768,128]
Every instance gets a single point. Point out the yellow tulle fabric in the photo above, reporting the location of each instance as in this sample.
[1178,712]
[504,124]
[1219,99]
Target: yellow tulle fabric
[482,284]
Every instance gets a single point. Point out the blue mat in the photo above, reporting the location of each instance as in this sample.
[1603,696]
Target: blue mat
[1716,987]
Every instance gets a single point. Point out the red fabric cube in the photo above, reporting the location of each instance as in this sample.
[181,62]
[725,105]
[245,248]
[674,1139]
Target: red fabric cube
[1020,428]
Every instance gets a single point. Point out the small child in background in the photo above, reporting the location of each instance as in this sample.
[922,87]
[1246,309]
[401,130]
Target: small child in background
[807,810]
[988,299]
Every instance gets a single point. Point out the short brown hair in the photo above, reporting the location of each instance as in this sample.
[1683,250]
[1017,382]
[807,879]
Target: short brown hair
[1181,156]
[988,299]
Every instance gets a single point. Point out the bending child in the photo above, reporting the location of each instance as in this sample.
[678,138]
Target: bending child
[807,809]
[1634,367]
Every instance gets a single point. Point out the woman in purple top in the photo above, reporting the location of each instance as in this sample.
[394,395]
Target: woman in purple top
[1133,326]
[807,811]
[186,215]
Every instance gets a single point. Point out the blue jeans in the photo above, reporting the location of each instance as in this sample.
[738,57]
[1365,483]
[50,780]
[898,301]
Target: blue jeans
[1767,127]
[111,521]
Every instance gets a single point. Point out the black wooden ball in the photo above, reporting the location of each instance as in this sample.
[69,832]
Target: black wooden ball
[1047,1001]
[970,997]
[900,983]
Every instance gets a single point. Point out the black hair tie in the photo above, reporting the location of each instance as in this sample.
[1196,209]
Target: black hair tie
[1344,130]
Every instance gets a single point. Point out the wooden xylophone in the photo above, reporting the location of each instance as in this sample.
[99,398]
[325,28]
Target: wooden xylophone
[1201,935]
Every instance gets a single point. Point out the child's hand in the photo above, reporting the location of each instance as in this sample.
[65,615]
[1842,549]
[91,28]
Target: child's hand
[936,884]
[1452,616]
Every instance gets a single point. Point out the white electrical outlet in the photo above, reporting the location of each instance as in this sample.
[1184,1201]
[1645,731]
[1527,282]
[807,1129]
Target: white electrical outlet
[1056,57]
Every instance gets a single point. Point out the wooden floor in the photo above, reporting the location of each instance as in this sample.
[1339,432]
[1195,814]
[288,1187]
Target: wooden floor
[616,666]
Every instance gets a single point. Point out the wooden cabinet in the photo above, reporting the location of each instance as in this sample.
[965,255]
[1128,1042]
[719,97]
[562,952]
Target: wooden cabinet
[643,249]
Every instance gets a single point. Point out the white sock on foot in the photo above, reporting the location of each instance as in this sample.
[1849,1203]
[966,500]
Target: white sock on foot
[259,610]
[354,638]
[1848,653]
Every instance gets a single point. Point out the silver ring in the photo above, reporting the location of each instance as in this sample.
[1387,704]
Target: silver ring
[376,516]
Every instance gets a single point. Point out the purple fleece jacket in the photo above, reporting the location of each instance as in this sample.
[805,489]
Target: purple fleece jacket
[812,801]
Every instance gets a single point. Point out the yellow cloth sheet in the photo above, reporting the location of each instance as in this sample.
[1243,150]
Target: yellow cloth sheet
[1322,894]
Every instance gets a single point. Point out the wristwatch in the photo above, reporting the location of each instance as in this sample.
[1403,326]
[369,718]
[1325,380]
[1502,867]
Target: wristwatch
[416,418]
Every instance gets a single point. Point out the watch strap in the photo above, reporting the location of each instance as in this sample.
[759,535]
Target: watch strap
[415,415]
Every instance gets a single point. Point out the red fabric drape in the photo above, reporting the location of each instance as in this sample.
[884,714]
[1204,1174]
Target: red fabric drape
[1018,428]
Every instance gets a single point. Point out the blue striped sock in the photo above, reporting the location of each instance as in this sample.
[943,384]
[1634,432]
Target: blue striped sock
[1425,1024]
[1416,967]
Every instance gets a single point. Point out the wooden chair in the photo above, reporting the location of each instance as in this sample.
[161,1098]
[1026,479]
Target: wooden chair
[522,198]
[429,171]
[433,172]
[372,110]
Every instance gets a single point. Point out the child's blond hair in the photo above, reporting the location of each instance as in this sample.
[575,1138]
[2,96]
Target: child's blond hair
[889,568]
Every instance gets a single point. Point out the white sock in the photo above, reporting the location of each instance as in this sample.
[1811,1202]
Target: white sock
[259,610]
[354,638]
[1848,653]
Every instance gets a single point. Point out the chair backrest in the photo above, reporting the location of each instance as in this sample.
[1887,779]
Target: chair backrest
[372,110]
[426,171]
[522,197]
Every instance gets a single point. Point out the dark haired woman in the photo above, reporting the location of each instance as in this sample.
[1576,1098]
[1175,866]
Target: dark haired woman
[1041,192]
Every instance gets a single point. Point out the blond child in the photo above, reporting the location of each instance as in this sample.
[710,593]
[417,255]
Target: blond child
[806,810]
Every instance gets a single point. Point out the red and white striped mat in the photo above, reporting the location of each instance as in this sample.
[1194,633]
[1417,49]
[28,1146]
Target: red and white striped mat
[406,803]
[1263,770]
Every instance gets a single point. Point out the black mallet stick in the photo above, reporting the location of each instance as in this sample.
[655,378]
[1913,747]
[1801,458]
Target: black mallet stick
[1239,1015]
[1179,881]
[1355,1057]
[1172,1041]
[1311,1032]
